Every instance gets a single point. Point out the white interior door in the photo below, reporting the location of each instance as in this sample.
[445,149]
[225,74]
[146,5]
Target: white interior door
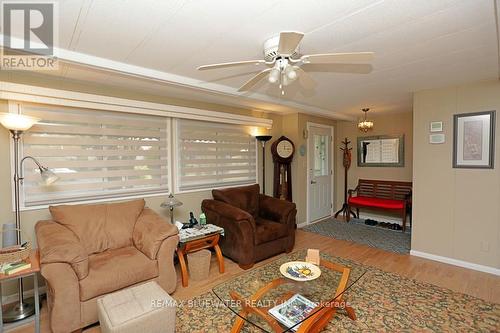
[320,172]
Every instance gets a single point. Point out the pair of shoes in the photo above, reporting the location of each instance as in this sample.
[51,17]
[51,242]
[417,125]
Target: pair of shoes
[384,224]
[371,222]
[395,226]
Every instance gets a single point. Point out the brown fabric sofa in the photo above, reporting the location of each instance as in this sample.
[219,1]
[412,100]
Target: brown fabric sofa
[87,251]
[256,226]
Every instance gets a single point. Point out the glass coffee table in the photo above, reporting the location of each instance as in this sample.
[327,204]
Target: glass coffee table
[251,296]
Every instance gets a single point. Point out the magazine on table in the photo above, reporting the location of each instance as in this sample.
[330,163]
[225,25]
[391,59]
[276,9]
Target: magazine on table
[293,311]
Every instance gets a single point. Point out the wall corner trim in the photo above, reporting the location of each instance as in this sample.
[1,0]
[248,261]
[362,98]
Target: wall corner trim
[456,262]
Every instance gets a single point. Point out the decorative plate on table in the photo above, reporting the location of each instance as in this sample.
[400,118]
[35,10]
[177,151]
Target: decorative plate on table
[300,270]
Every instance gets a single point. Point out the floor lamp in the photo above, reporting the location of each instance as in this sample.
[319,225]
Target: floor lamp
[263,139]
[17,124]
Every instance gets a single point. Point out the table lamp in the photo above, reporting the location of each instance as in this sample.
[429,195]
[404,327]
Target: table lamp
[17,124]
[170,204]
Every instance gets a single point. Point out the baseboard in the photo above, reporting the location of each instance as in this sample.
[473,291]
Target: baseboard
[456,262]
[27,294]
[302,225]
[305,224]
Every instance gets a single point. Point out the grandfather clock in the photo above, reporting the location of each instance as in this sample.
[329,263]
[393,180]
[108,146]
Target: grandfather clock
[282,151]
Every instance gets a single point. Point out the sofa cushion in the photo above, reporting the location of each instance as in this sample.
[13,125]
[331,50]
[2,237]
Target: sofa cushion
[116,269]
[102,226]
[267,230]
[120,222]
[244,197]
[87,222]
[377,202]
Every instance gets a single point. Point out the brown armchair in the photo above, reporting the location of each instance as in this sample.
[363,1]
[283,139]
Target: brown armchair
[87,251]
[256,226]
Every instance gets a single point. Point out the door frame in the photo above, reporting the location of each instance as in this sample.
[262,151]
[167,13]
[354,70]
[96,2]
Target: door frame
[332,165]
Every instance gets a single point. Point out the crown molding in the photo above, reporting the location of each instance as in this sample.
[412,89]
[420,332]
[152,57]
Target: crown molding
[34,94]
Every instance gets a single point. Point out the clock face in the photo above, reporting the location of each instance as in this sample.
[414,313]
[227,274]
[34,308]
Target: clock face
[284,149]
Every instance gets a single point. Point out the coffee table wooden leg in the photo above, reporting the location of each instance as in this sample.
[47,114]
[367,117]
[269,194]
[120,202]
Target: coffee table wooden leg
[350,312]
[184,271]
[239,322]
[220,258]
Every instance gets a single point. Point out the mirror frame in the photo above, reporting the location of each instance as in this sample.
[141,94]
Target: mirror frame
[401,152]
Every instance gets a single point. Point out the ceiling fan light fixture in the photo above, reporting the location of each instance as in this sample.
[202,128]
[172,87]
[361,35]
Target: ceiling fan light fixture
[274,75]
[365,125]
[291,74]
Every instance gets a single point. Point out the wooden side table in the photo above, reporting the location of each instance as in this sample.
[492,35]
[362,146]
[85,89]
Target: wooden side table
[207,242]
[34,258]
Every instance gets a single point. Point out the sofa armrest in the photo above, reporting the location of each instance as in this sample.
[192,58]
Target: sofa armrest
[150,231]
[238,242]
[275,209]
[63,297]
[225,212]
[59,244]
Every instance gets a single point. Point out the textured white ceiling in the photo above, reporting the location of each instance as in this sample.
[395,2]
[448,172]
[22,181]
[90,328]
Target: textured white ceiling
[419,44]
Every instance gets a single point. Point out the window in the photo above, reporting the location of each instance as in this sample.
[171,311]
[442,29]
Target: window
[214,155]
[96,154]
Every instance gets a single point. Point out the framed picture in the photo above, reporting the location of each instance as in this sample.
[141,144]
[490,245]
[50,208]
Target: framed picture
[381,151]
[474,140]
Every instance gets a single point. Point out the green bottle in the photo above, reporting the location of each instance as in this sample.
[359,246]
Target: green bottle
[203,219]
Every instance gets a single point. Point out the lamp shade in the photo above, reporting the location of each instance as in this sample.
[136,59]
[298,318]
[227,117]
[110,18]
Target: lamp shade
[17,122]
[171,202]
[48,177]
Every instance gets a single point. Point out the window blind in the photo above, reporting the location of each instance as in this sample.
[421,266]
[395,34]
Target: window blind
[214,155]
[96,154]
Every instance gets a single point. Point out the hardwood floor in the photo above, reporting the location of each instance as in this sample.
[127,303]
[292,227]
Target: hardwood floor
[478,284]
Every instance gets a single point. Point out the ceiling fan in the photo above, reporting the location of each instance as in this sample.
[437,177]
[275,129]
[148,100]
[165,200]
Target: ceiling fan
[282,57]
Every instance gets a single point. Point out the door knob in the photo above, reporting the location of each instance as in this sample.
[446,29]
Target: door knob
[313,182]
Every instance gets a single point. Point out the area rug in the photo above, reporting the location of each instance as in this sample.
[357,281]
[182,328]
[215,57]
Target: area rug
[384,302]
[358,232]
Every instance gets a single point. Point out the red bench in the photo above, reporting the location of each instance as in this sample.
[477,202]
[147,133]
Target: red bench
[383,195]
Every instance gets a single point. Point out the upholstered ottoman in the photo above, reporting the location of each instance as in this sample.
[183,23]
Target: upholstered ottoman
[146,308]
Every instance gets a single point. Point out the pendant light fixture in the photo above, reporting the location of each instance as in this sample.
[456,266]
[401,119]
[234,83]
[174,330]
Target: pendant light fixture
[365,125]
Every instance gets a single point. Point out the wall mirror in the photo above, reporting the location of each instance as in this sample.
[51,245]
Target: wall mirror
[381,151]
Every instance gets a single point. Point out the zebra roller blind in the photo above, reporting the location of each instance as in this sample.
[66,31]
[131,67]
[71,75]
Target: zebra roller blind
[96,154]
[214,155]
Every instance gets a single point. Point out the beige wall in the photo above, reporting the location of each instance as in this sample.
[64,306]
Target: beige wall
[393,124]
[456,211]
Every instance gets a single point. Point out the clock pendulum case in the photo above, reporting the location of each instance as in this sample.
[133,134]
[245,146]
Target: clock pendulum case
[282,151]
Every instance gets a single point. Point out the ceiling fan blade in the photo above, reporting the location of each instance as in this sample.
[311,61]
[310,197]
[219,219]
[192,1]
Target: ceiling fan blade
[330,58]
[289,40]
[232,64]
[253,81]
[305,79]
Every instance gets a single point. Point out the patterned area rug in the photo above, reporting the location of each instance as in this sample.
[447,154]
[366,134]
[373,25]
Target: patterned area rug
[384,302]
[358,232]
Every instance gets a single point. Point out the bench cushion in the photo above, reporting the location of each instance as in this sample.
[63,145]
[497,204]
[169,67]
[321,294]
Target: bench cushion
[377,202]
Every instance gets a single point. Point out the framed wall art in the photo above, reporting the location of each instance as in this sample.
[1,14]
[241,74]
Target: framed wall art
[474,140]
